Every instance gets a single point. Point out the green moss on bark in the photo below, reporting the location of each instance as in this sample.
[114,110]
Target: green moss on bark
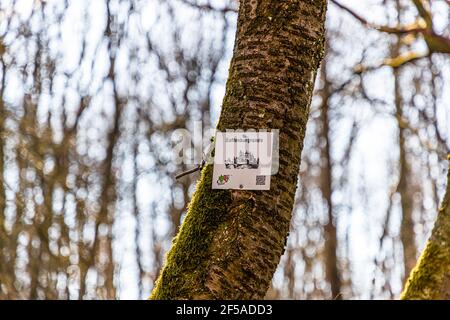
[429,274]
[430,279]
[193,242]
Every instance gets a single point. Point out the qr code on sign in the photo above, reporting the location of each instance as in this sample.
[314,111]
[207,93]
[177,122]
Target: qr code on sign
[260,180]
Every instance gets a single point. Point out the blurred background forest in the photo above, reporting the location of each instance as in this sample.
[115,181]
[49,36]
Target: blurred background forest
[92,92]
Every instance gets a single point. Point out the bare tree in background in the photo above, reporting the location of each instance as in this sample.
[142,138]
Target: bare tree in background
[92,94]
[77,143]
[302,271]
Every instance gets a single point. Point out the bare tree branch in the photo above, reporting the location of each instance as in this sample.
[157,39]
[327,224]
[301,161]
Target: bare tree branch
[416,27]
[208,7]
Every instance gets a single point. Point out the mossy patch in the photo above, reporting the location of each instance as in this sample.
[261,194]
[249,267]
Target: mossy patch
[189,255]
[430,279]
[427,277]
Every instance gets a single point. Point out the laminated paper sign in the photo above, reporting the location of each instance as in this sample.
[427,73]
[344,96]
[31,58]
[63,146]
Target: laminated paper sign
[243,160]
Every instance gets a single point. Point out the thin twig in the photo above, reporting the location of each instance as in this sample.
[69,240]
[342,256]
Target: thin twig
[208,7]
[198,168]
[185,173]
[413,28]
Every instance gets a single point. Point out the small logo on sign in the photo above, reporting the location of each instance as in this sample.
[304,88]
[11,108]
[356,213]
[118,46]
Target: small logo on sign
[223,179]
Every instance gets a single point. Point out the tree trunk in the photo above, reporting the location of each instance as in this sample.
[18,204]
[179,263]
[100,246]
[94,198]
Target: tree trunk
[331,240]
[407,234]
[231,241]
[430,279]
[5,285]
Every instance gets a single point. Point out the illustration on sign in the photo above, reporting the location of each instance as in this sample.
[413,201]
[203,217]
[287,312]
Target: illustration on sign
[243,160]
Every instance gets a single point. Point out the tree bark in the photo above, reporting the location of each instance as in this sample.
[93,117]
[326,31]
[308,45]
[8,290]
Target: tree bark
[231,241]
[430,279]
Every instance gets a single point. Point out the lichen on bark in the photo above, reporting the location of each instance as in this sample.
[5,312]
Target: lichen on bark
[231,241]
[430,279]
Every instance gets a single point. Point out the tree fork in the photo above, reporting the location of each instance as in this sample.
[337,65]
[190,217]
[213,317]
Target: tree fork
[231,242]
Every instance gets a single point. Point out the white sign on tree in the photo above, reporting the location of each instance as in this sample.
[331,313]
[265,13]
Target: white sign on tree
[243,160]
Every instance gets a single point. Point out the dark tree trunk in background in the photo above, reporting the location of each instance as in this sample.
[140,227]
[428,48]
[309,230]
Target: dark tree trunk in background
[331,240]
[3,235]
[231,241]
[407,234]
[430,279]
